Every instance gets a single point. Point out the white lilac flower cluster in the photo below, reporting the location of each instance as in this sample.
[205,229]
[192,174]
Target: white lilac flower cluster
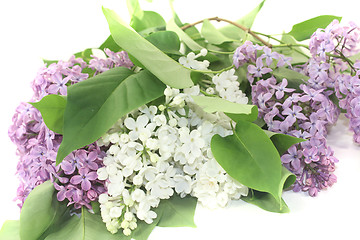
[155,152]
[227,86]
[190,60]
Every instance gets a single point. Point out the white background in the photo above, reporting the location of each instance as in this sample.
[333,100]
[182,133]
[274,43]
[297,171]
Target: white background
[32,30]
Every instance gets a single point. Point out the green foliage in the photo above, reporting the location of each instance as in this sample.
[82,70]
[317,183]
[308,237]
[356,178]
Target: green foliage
[153,59]
[305,29]
[298,56]
[10,230]
[49,62]
[250,157]
[266,201]
[177,212]
[234,32]
[134,8]
[52,109]
[175,16]
[148,20]
[87,227]
[213,35]
[85,55]
[143,230]
[283,142]
[38,212]
[166,41]
[94,105]
[110,44]
[173,212]
[172,26]
[44,218]
[235,111]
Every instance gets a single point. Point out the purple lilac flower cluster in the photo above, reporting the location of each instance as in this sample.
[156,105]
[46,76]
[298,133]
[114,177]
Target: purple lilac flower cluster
[76,178]
[304,114]
[330,68]
[79,183]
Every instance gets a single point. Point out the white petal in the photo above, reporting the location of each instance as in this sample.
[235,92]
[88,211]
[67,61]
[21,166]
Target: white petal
[141,121]
[130,123]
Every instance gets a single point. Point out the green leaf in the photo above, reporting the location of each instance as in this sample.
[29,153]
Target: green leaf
[283,142]
[61,217]
[166,41]
[49,62]
[177,212]
[266,201]
[148,20]
[175,16]
[143,230]
[110,44]
[134,8]
[235,111]
[298,56]
[234,32]
[250,157]
[305,29]
[52,109]
[10,230]
[194,46]
[87,227]
[157,62]
[38,212]
[94,105]
[85,55]
[213,35]
[173,212]
[95,207]
[294,78]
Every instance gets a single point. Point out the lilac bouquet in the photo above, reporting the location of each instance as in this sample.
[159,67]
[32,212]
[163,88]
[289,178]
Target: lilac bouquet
[163,116]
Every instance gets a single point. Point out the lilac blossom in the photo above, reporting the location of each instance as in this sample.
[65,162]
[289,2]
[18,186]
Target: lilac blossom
[258,70]
[304,114]
[281,89]
[269,56]
[59,84]
[84,178]
[37,145]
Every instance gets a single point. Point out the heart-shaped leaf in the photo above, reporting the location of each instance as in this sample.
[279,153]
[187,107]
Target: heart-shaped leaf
[250,157]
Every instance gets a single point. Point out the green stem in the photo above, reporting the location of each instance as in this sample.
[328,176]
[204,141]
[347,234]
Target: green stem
[206,94]
[342,56]
[269,36]
[214,72]
[290,45]
[283,44]
[220,52]
[245,29]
